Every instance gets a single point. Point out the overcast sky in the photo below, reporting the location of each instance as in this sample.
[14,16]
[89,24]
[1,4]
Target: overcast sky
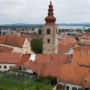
[34,11]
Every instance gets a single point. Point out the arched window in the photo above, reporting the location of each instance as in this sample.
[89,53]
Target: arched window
[48,40]
[48,31]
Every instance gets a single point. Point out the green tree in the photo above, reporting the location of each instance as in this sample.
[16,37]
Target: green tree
[40,31]
[88,30]
[36,45]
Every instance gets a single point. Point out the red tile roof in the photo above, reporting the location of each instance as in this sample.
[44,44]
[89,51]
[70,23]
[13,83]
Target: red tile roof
[51,69]
[67,39]
[35,66]
[12,40]
[82,58]
[4,49]
[24,58]
[86,48]
[86,82]
[62,48]
[85,43]
[9,58]
[72,74]
[77,47]
[47,64]
[3,39]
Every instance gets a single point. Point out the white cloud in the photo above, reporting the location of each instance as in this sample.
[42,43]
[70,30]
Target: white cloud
[34,11]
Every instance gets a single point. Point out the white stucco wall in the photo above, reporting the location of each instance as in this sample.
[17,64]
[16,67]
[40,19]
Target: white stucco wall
[7,65]
[70,85]
[26,48]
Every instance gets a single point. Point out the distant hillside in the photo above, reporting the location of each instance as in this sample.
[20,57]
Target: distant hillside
[75,24]
[27,25]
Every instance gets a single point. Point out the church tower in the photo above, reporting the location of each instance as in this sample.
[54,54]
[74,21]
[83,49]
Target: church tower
[50,33]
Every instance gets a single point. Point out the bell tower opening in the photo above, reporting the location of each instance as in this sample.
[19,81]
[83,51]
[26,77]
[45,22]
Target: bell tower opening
[48,31]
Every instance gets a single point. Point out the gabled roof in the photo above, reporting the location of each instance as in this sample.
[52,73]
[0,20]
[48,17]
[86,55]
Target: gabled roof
[67,39]
[24,58]
[55,58]
[11,58]
[35,66]
[4,49]
[47,64]
[72,74]
[62,48]
[15,41]
[51,69]
[82,58]
[3,39]
[12,40]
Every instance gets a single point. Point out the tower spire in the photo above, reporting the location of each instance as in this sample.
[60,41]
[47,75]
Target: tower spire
[50,19]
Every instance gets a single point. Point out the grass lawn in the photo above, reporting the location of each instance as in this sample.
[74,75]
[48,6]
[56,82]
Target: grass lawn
[12,84]
[1,75]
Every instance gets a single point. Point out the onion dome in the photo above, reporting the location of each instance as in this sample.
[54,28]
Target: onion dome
[50,19]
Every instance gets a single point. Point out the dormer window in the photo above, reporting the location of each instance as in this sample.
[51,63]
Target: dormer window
[48,31]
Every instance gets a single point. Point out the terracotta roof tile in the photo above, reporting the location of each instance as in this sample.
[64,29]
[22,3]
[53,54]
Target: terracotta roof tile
[24,58]
[86,48]
[51,69]
[47,64]
[86,82]
[3,39]
[15,41]
[77,47]
[82,58]
[72,74]
[35,66]
[56,58]
[62,48]
[4,49]
[12,40]
[9,58]
[67,39]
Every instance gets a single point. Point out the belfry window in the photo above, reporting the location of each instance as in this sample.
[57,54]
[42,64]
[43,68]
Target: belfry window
[48,31]
[48,40]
